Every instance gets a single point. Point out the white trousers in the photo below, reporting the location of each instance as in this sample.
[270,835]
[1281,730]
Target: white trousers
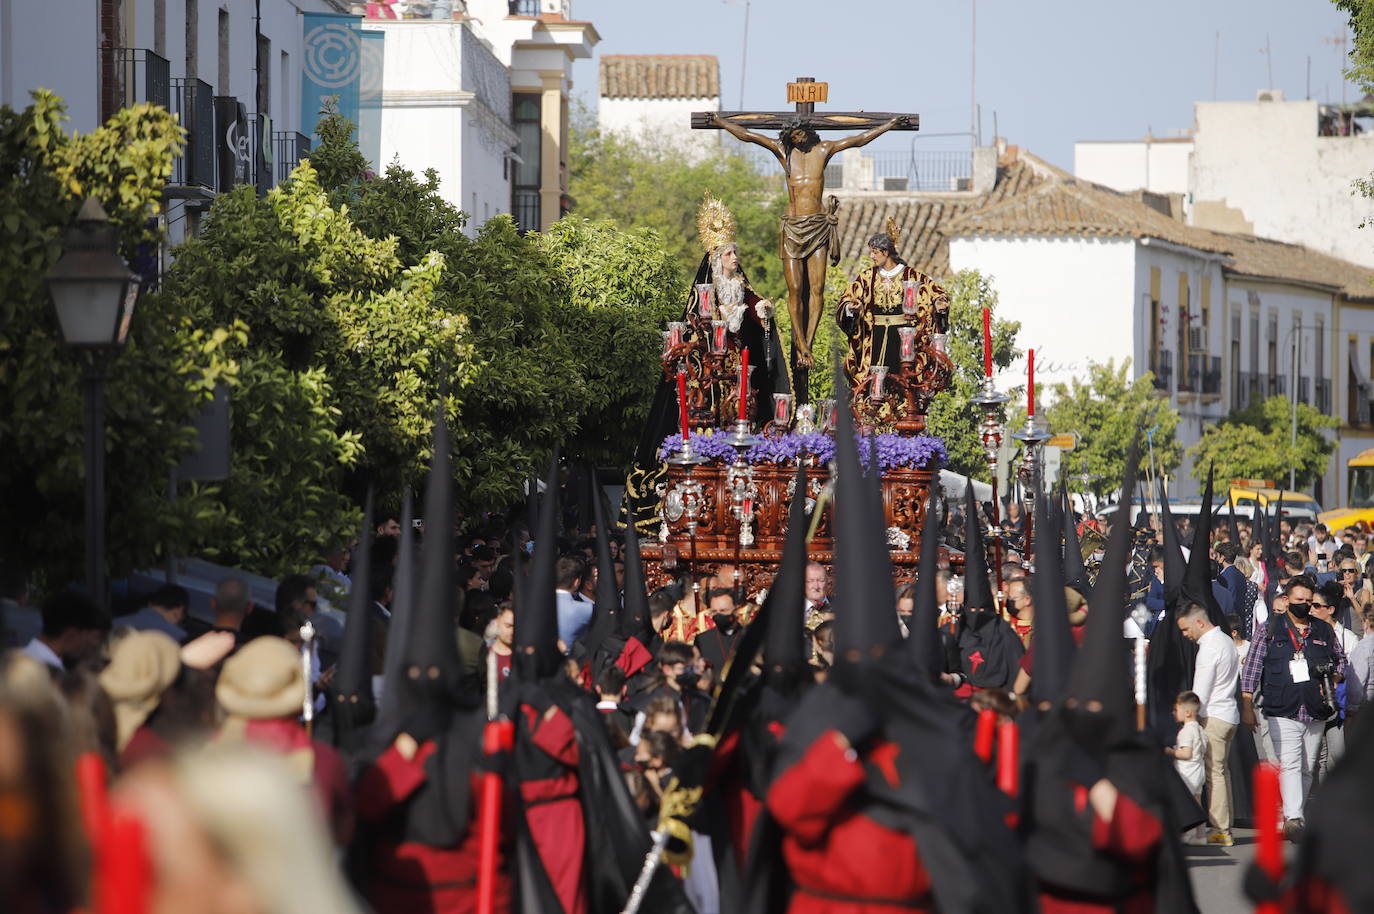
[1295,744]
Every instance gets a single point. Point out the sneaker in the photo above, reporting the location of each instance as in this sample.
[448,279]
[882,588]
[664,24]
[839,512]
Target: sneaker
[1292,830]
[1194,838]
[1221,838]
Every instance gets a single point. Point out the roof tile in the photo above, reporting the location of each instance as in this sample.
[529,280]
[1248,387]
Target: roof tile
[660,76]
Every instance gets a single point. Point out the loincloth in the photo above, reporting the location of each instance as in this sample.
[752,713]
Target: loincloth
[803,236]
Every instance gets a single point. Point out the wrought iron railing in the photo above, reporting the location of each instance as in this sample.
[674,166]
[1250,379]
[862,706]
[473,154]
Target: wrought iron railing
[1162,367]
[1324,395]
[134,75]
[291,148]
[194,104]
[525,207]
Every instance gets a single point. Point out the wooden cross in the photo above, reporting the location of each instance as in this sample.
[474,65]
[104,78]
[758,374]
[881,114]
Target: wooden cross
[805,92]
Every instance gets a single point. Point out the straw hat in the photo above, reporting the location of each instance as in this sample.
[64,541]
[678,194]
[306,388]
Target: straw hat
[142,666]
[264,680]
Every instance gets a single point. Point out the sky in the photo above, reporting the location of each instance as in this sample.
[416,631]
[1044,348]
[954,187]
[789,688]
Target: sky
[1048,72]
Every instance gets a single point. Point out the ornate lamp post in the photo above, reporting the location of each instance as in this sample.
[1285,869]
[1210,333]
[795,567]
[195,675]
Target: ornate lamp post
[991,400]
[94,293]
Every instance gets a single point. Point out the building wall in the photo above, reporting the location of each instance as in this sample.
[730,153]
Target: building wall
[1071,295]
[446,106]
[662,120]
[1262,164]
[1161,167]
[52,45]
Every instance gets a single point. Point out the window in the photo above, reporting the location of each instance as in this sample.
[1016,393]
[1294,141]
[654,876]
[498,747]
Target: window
[1184,325]
[525,189]
[1237,396]
[224,87]
[1273,343]
[284,87]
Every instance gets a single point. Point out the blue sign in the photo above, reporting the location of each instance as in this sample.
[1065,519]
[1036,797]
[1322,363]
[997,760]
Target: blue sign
[332,75]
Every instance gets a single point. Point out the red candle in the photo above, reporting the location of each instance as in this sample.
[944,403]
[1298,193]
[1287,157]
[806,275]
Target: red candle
[1008,757]
[90,787]
[743,383]
[1030,382]
[748,507]
[982,736]
[1269,849]
[682,403]
[987,342]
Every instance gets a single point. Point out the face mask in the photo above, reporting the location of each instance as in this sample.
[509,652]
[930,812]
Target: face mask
[1300,610]
[724,622]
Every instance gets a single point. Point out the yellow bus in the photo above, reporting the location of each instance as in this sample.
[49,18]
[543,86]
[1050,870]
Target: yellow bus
[1360,485]
[1249,493]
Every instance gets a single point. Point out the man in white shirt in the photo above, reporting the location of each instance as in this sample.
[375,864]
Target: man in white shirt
[1215,674]
[817,603]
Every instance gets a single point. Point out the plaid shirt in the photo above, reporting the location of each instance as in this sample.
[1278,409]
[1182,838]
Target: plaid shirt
[1253,668]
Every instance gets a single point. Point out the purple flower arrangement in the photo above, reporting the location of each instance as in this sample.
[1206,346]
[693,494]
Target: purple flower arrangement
[917,452]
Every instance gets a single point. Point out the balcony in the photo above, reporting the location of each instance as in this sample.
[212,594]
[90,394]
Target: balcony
[1162,367]
[291,147]
[193,172]
[541,8]
[525,207]
[1210,369]
[1240,394]
[130,76]
[1304,386]
[1324,395]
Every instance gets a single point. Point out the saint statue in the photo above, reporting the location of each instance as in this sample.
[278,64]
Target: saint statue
[870,311]
[810,225]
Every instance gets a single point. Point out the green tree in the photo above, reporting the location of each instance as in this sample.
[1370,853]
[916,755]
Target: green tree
[156,384]
[952,416]
[638,184]
[1257,443]
[1108,411]
[1361,68]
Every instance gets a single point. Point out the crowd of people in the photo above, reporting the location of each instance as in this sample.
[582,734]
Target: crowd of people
[489,717]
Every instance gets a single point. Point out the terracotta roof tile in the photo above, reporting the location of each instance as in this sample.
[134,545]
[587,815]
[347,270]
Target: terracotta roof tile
[1266,259]
[660,76]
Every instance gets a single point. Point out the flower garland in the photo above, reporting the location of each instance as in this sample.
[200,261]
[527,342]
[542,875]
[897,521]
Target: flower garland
[915,452]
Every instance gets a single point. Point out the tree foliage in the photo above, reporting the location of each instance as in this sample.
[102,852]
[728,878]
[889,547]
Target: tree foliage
[160,380]
[1257,443]
[952,416]
[1108,412]
[1361,68]
[638,184]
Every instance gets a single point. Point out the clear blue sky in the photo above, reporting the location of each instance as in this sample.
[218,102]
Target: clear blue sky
[1054,71]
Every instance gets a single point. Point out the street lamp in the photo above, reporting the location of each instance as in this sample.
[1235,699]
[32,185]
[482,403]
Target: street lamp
[94,292]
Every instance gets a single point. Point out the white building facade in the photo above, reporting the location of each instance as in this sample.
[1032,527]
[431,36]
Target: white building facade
[651,97]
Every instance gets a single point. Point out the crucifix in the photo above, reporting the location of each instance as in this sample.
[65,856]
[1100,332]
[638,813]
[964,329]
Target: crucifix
[810,225]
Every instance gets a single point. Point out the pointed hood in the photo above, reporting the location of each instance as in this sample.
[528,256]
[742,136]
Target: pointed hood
[977,589]
[923,637]
[536,617]
[1052,644]
[634,620]
[1075,575]
[1143,521]
[1101,673]
[354,707]
[1175,565]
[607,605]
[784,642]
[1231,527]
[395,688]
[865,603]
[431,660]
[1197,579]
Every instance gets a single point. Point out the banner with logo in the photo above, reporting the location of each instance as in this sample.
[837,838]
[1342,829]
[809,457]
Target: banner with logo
[370,97]
[235,141]
[331,76]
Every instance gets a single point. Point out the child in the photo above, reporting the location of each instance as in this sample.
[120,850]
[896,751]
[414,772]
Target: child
[1188,756]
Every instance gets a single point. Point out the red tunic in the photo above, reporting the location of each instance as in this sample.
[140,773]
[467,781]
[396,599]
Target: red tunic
[842,861]
[407,876]
[553,810]
[1132,836]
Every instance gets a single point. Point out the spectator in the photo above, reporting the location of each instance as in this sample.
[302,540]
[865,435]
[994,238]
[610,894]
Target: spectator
[165,612]
[389,526]
[20,623]
[74,629]
[1320,543]
[1359,674]
[816,592]
[331,579]
[1251,610]
[1231,576]
[1324,607]
[1188,753]
[1021,604]
[574,613]
[230,605]
[717,644]
[1282,663]
[1215,673]
[297,594]
[1355,596]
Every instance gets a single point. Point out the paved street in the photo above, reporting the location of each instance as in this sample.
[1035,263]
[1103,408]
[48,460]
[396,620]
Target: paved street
[1217,873]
